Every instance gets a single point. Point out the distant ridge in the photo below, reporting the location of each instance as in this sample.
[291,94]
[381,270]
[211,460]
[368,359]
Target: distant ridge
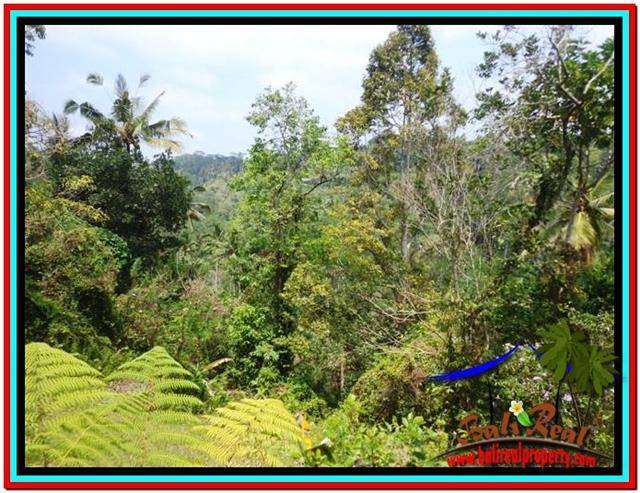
[201,168]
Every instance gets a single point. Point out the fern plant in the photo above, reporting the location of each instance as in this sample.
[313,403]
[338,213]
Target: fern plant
[75,419]
[157,373]
[253,432]
[57,383]
[144,415]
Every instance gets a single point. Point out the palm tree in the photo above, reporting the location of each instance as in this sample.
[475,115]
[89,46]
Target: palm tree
[581,220]
[194,213]
[131,119]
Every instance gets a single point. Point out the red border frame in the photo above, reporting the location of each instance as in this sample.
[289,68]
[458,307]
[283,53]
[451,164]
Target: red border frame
[630,484]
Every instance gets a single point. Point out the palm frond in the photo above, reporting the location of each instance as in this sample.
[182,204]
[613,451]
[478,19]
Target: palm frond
[143,80]
[164,128]
[178,125]
[95,79]
[90,112]
[169,144]
[87,110]
[601,200]
[582,234]
[603,185]
[151,107]
[70,107]
[607,212]
[120,85]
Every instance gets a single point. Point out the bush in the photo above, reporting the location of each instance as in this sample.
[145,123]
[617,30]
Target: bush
[256,352]
[174,313]
[72,271]
[405,442]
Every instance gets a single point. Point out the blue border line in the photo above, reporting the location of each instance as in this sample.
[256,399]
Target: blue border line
[326,13]
[625,244]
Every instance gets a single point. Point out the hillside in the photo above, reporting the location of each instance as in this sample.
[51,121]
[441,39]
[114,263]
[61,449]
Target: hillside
[200,167]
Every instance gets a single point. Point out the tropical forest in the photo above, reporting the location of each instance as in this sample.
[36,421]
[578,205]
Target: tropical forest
[339,293]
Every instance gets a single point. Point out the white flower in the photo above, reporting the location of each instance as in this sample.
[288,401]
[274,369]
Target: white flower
[516,407]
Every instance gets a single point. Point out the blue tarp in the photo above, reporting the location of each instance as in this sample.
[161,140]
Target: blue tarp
[474,371]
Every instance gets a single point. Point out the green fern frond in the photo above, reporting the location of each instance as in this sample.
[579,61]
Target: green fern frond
[159,459]
[177,386]
[178,402]
[163,377]
[171,417]
[57,382]
[144,416]
[253,432]
[75,419]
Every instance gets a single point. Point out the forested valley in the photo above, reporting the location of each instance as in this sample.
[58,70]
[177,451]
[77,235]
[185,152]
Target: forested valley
[287,305]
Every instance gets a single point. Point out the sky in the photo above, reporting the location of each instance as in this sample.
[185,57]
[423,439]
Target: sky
[212,74]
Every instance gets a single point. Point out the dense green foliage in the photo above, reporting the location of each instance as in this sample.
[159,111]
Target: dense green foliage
[145,202]
[308,288]
[72,270]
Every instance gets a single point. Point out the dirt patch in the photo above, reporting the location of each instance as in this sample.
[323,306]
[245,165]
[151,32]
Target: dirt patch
[127,386]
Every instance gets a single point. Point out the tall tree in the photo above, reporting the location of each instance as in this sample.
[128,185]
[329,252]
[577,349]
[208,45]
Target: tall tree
[552,95]
[146,202]
[286,167]
[132,118]
[404,90]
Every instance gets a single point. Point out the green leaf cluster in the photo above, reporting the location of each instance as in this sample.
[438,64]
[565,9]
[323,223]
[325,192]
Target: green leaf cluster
[567,354]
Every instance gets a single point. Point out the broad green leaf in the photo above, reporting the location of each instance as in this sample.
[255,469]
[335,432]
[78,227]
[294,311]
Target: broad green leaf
[523,419]
[594,372]
[560,348]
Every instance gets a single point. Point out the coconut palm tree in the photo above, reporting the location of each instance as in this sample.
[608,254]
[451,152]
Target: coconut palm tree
[132,119]
[582,218]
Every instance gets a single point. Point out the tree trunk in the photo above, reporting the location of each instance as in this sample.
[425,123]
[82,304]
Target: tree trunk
[557,417]
[342,364]
[406,241]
